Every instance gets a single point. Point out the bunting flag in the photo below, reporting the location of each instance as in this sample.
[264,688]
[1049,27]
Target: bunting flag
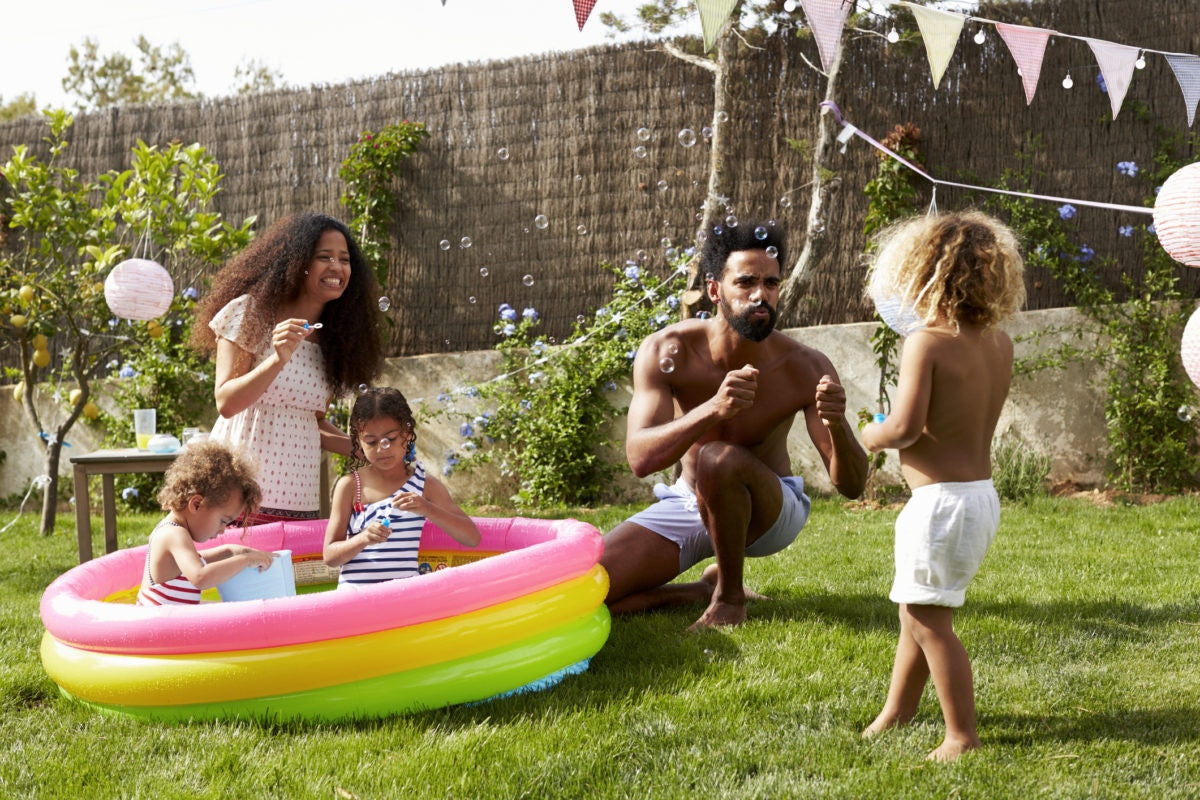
[1187,72]
[826,18]
[1116,67]
[1028,47]
[583,8]
[940,31]
[713,14]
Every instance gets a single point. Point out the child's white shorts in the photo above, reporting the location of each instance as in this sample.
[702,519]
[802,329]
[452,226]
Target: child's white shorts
[942,535]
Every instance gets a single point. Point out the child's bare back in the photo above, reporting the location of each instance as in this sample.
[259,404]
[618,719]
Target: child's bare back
[964,377]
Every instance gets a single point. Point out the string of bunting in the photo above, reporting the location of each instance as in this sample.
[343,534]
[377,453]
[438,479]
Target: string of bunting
[940,31]
[849,131]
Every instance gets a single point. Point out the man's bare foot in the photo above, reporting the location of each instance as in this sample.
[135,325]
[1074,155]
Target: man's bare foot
[951,749]
[719,614]
[709,578]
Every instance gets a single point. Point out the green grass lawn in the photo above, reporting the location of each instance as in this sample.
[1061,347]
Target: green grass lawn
[1083,626]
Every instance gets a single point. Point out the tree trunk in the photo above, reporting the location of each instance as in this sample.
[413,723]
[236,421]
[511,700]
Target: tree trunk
[50,494]
[814,255]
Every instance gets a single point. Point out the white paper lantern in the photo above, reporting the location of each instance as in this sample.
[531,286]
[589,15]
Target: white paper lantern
[1177,215]
[1190,347]
[138,289]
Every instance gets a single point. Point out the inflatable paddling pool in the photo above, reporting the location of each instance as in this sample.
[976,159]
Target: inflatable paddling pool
[526,614]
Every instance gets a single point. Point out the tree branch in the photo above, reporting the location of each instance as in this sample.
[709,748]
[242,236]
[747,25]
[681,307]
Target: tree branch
[705,63]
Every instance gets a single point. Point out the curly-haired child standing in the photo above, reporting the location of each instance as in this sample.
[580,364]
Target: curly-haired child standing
[961,274]
[205,490]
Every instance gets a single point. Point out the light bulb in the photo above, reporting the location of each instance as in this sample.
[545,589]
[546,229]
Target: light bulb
[892,36]
[1141,60]
[979,37]
[789,6]
[1067,82]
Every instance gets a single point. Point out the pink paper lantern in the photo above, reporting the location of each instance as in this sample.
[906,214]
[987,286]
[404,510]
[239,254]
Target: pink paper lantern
[1190,347]
[1177,215]
[138,289]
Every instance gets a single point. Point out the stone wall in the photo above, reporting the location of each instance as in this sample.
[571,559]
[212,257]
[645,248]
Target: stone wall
[1057,412]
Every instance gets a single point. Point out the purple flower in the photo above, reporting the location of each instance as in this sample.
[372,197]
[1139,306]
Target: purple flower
[472,391]
[672,301]
[509,329]
[443,397]
[190,293]
[451,458]
[611,386]
[466,430]
[1066,211]
[530,314]
[526,405]
[1125,230]
[128,493]
[1151,229]
[126,372]
[632,271]
[1129,168]
[508,313]
[1085,254]
[446,470]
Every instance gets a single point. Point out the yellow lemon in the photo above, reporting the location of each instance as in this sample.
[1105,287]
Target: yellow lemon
[39,342]
[41,357]
[19,391]
[26,293]
[18,320]
[89,410]
[154,329]
[74,396]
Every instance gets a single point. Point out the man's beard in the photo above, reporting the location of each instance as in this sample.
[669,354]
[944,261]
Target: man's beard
[754,330]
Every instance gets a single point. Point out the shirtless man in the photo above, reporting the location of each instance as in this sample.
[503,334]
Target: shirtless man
[722,406]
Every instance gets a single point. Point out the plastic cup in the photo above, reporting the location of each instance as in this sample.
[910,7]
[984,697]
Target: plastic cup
[144,426]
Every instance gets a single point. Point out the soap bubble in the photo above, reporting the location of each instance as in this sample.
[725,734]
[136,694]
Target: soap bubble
[385,303]
[666,364]
[760,233]
[541,221]
[772,251]
[581,230]
[671,254]
[471,300]
[663,186]
[527,280]
[444,244]
[706,132]
[673,349]
[721,117]
[483,272]
[701,236]
[362,388]
[665,241]
[703,315]
[785,202]
[731,221]
[718,230]
[581,319]
[687,137]
[465,242]
[502,154]
[579,179]
[639,151]
[1184,413]
[640,255]
[643,134]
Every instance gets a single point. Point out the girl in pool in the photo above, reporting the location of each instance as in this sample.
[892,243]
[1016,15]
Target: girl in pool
[379,509]
[207,489]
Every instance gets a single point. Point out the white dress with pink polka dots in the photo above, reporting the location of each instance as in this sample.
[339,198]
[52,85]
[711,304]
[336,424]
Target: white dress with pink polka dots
[280,429]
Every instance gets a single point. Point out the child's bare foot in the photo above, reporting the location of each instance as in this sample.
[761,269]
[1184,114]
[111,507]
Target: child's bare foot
[709,578]
[885,721]
[951,749]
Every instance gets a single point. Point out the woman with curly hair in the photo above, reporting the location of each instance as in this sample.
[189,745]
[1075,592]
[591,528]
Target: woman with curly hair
[290,322]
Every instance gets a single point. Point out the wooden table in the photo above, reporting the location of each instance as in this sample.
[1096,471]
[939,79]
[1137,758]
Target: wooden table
[107,463]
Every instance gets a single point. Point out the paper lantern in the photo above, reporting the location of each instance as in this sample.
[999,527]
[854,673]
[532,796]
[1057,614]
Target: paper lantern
[1190,347]
[138,289]
[1177,215]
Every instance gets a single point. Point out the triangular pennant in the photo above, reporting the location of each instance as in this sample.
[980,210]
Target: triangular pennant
[826,18]
[1028,47]
[940,31]
[1116,67]
[713,14]
[583,8]
[1187,72]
